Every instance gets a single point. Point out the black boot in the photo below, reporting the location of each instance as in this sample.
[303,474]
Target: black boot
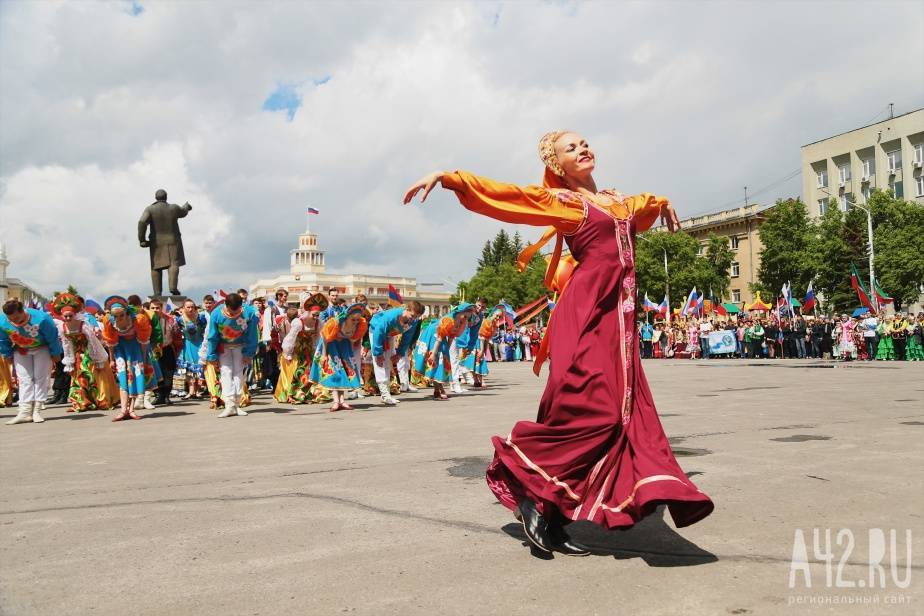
[534,525]
[563,543]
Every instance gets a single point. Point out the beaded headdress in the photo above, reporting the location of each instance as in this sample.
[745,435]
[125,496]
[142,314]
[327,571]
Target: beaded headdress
[547,152]
[66,302]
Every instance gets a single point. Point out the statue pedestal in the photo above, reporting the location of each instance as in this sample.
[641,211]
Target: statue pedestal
[176,300]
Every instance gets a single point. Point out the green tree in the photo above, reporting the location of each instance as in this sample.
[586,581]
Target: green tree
[898,237]
[835,245]
[687,268]
[787,256]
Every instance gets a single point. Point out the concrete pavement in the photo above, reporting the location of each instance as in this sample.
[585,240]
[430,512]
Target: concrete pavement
[295,510]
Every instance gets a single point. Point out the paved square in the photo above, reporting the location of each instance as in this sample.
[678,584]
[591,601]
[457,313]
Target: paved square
[294,510]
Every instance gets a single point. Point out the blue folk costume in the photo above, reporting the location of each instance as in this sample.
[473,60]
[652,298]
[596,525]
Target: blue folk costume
[469,342]
[39,331]
[187,362]
[333,366]
[225,331]
[431,354]
[136,369]
[384,326]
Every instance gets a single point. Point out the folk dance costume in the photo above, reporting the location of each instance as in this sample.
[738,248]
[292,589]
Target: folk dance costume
[6,383]
[271,340]
[915,349]
[295,385]
[232,340]
[885,351]
[85,358]
[384,327]
[193,332]
[479,358]
[30,347]
[433,351]
[465,345]
[333,365]
[127,333]
[597,450]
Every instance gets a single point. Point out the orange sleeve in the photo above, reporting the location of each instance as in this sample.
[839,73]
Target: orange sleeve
[526,205]
[644,208]
[331,330]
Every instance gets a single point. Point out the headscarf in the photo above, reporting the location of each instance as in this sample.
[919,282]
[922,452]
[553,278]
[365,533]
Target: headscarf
[334,327]
[550,159]
[315,301]
[66,302]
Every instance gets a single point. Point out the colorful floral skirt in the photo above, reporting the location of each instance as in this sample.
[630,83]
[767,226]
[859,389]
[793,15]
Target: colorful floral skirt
[187,362]
[87,392]
[136,370]
[294,385]
[333,366]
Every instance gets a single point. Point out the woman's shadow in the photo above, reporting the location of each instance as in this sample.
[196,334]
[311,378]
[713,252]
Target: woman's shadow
[652,540]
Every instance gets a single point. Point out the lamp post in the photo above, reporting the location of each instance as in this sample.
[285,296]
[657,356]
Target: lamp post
[667,279]
[869,233]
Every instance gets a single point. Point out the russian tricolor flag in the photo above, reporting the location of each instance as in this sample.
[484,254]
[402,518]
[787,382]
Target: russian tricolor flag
[312,210]
[690,304]
[663,307]
[809,302]
[649,305]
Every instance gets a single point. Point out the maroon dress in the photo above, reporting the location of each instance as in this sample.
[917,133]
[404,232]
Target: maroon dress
[597,450]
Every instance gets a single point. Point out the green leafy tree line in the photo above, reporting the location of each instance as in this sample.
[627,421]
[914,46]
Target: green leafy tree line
[798,249]
[686,266]
[497,276]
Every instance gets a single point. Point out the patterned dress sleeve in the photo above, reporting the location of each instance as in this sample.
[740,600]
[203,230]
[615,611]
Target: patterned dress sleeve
[643,208]
[94,347]
[68,357]
[526,205]
[288,343]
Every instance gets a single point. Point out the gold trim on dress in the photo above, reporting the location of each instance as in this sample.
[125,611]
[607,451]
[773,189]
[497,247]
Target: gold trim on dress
[544,474]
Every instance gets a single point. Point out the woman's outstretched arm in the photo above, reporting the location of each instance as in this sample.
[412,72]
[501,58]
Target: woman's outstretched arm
[527,205]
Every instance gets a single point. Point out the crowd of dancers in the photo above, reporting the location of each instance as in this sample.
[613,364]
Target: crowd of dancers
[135,355]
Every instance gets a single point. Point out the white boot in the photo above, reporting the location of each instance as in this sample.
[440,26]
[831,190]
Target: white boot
[351,395]
[469,378]
[237,407]
[408,387]
[149,400]
[229,407]
[456,388]
[387,398]
[24,415]
[36,407]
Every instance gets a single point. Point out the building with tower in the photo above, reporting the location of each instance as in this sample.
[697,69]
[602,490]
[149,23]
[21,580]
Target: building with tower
[308,274]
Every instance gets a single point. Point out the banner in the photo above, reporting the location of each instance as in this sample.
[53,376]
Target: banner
[722,342]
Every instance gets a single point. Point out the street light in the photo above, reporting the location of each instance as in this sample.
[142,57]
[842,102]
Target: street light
[869,232]
[667,278]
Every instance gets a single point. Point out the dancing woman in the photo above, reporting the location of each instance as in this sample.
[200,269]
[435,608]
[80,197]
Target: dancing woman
[597,450]
[85,358]
[333,366]
[127,332]
[433,351]
[294,383]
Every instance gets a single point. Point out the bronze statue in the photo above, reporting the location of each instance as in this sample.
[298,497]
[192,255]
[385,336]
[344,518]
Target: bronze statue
[165,242]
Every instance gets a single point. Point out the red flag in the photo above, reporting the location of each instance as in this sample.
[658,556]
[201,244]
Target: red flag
[859,288]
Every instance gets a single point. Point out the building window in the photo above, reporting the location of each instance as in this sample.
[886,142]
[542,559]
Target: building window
[843,173]
[919,153]
[735,269]
[898,189]
[869,168]
[822,177]
[822,207]
[842,202]
[919,183]
[699,250]
[736,295]
[734,242]
[867,191]
[895,160]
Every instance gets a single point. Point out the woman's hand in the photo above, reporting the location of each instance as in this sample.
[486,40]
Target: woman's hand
[427,183]
[669,218]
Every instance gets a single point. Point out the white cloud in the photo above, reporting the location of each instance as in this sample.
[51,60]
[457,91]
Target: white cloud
[98,108]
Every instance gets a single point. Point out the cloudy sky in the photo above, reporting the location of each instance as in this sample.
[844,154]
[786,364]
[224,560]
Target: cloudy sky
[254,111]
